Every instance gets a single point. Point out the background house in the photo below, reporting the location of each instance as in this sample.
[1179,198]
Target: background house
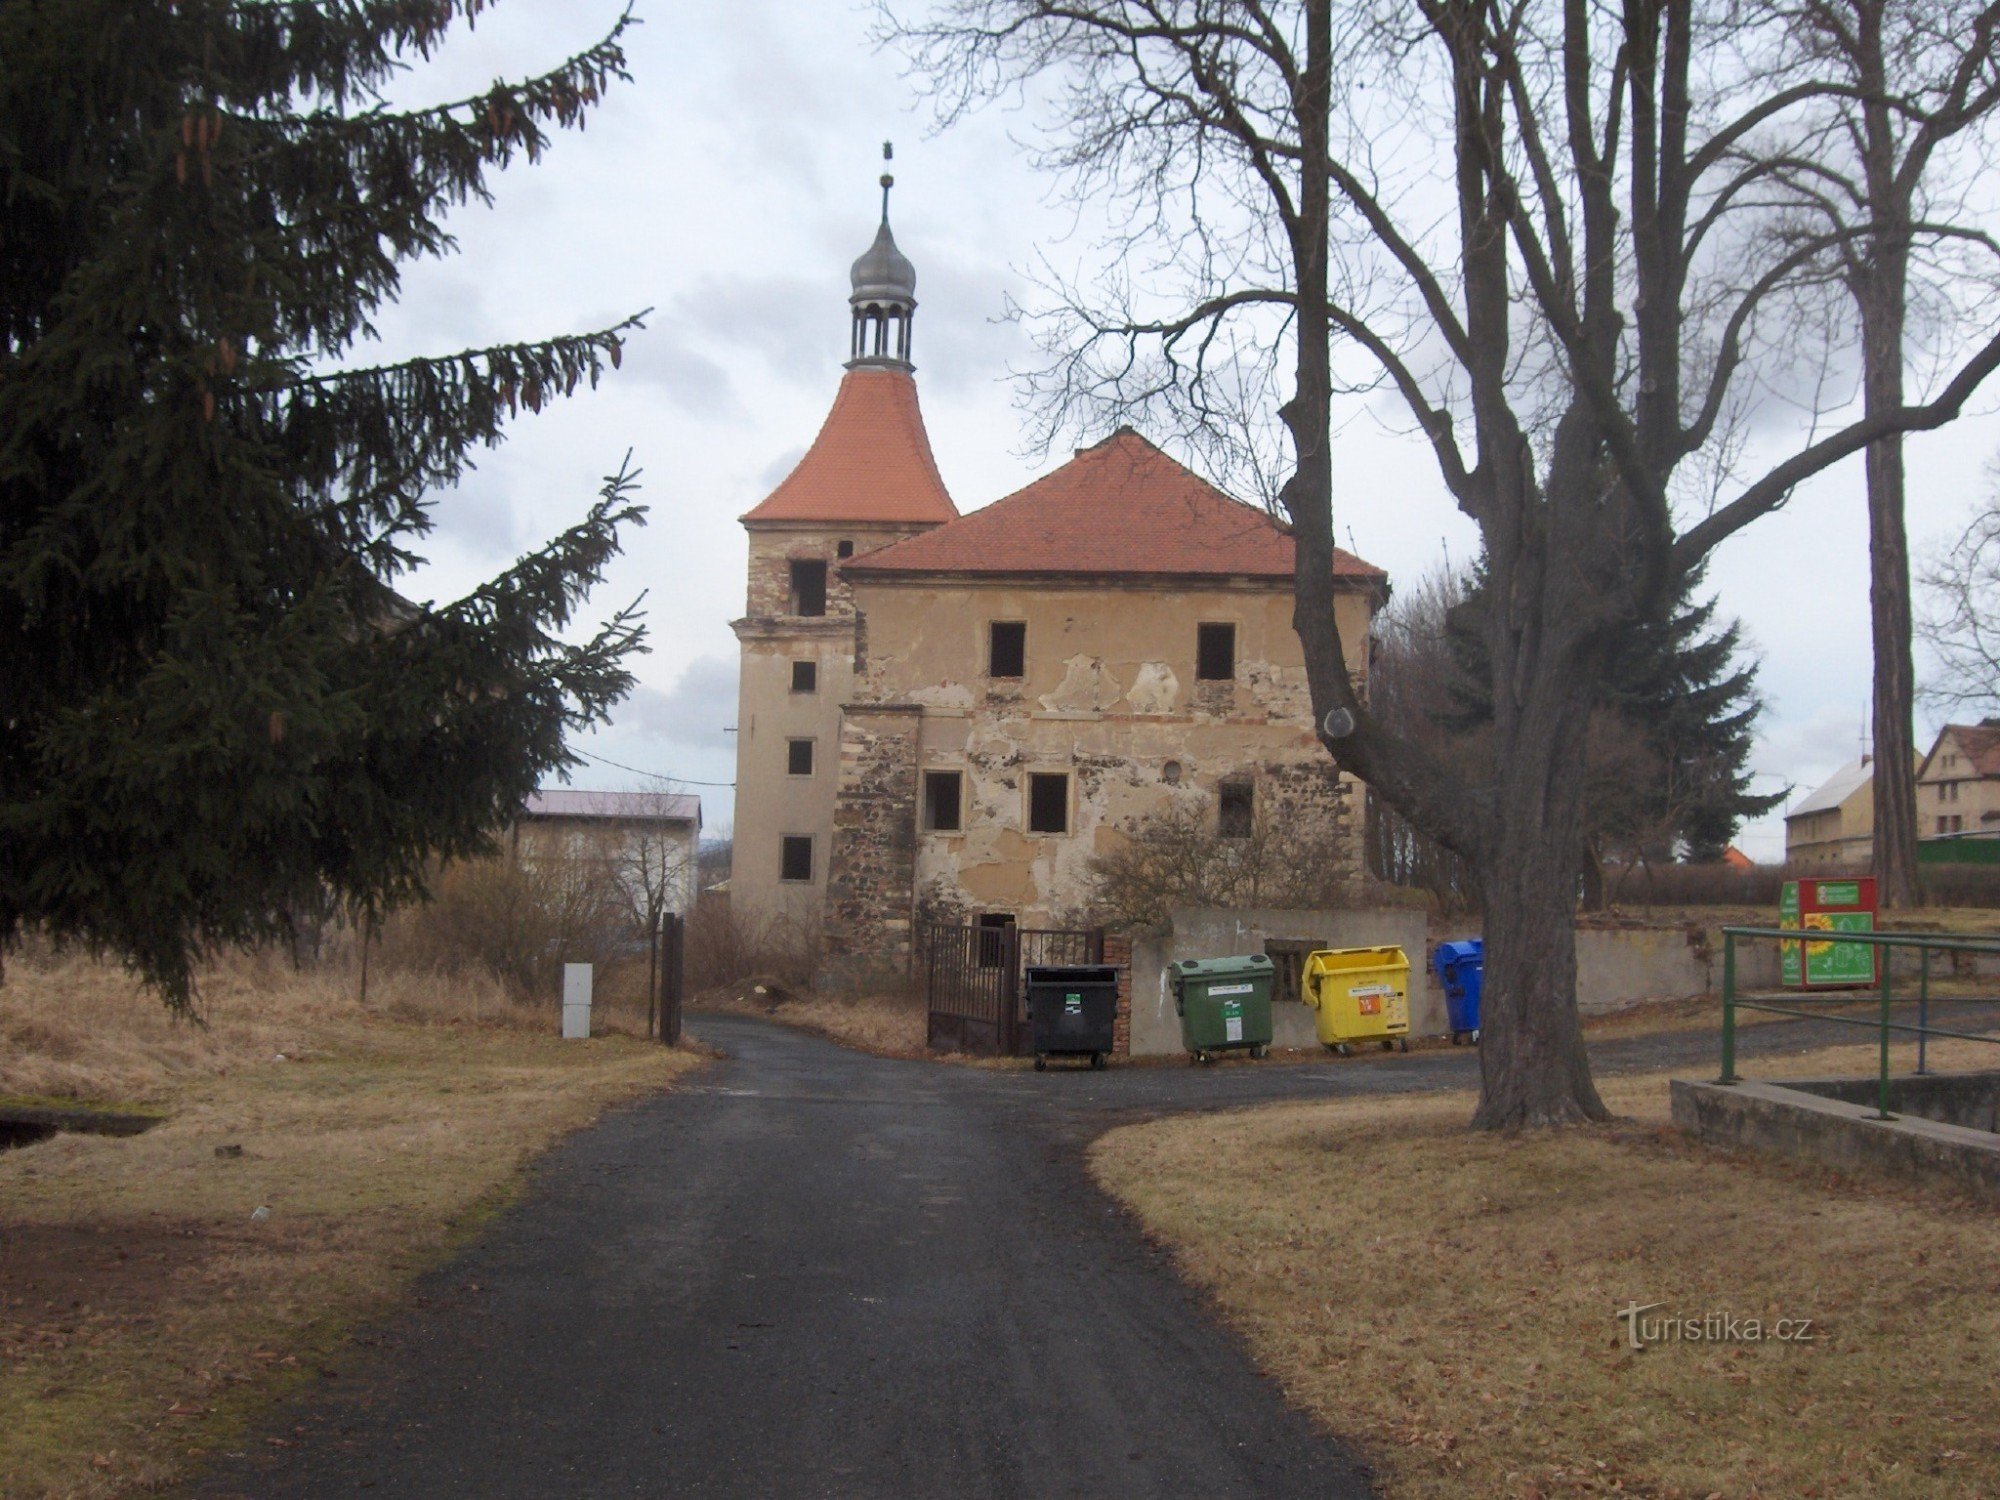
[1958,786]
[649,840]
[1834,828]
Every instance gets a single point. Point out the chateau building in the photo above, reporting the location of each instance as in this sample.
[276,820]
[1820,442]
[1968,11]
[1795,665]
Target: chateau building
[946,717]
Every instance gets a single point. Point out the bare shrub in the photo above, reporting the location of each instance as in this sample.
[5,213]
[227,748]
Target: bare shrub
[1176,858]
[1963,885]
[724,946]
[1668,884]
[518,922]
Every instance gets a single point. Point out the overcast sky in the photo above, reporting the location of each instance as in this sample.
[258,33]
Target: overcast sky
[729,186]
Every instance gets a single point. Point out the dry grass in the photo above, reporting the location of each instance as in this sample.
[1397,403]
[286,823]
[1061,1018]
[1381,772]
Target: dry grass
[1445,1301]
[886,1025]
[144,1316]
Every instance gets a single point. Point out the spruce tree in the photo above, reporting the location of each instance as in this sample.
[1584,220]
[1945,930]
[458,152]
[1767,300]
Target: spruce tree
[214,707]
[1671,734]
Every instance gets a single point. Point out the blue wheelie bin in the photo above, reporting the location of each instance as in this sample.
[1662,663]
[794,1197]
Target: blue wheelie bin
[1461,970]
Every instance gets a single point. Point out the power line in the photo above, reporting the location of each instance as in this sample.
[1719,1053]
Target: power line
[621,766]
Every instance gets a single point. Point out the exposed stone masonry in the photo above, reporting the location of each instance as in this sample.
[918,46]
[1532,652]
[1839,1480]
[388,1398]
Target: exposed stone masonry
[872,867]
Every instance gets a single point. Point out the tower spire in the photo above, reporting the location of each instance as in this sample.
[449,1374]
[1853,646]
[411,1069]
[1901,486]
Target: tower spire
[884,302]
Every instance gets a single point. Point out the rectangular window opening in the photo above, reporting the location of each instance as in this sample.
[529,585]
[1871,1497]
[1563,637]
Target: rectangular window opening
[845,549]
[941,801]
[805,676]
[1048,802]
[1288,965]
[799,757]
[795,857]
[1007,654]
[809,586]
[1215,653]
[1236,814]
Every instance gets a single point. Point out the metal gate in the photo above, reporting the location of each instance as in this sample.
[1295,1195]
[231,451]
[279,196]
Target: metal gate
[974,979]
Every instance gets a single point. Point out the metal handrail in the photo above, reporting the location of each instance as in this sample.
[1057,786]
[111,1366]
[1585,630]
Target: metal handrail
[1926,943]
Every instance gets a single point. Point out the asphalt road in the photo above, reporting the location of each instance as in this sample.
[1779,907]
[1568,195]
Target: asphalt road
[810,1272]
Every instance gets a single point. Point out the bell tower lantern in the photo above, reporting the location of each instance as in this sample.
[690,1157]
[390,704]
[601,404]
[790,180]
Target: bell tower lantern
[885,296]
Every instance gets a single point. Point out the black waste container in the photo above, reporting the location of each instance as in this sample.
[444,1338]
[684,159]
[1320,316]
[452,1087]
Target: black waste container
[1072,1011]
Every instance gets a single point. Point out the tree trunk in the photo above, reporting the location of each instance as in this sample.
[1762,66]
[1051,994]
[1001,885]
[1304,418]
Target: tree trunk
[1532,1063]
[1879,279]
[1895,790]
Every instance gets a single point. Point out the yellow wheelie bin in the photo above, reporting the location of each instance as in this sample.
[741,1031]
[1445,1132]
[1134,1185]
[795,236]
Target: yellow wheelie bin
[1359,995]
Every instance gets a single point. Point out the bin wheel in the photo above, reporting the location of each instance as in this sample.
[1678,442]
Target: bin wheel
[1041,1063]
[1402,1044]
[1343,1049]
[1458,1039]
[1208,1058]
[1260,1051]
[1475,1036]
[1193,1058]
[1097,1061]
[1388,1044]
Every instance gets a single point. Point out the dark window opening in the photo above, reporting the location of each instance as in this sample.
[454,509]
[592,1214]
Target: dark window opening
[1215,653]
[795,859]
[1237,814]
[994,926]
[799,757]
[845,549]
[805,676]
[1288,965]
[809,587]
[1048,802]
[941,797]
[1008,656]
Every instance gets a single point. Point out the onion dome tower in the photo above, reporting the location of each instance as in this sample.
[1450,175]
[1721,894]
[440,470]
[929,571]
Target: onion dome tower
[868,481]
[884,300]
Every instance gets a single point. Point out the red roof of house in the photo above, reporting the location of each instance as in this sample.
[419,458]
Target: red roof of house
[871,461]
[1979,742]
[1120,507]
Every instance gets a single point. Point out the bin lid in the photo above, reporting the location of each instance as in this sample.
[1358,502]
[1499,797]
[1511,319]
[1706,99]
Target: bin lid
[1238,967]
[1072,974]
[1472,951]
[1344,960]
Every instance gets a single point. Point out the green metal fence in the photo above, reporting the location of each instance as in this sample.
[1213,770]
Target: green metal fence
[1926,945]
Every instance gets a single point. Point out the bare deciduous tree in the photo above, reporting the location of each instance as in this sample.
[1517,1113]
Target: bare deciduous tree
[1520,219]
[1960,621]
[1885,189]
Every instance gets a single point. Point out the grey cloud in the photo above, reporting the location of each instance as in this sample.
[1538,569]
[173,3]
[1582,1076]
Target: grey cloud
[663,356]
[692,714]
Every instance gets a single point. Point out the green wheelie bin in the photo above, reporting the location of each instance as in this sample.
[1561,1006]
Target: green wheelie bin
[1224,1005]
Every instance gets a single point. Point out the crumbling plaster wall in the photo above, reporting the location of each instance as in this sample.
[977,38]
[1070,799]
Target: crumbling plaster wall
[1110,698]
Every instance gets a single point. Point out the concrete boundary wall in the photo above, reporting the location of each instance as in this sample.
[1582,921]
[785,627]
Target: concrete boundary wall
[1837,1133]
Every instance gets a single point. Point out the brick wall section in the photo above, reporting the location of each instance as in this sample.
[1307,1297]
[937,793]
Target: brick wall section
[872,865]
[1118,950]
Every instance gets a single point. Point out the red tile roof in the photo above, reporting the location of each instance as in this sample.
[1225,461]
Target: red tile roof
[1980,744]
[1122,507]
[871,461]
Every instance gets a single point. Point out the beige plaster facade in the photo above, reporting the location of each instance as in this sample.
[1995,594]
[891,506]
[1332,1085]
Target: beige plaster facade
[1108,699]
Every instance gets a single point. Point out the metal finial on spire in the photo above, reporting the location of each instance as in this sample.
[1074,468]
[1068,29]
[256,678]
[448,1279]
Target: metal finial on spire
[888,154]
